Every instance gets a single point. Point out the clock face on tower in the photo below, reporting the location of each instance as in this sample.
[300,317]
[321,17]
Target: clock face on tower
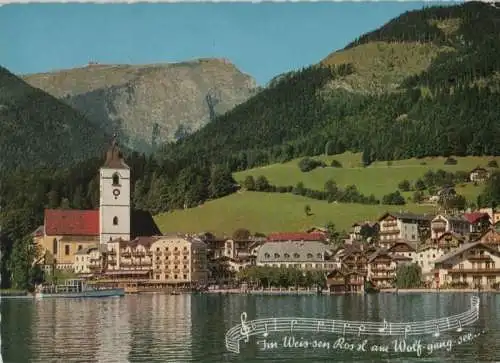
[116,192]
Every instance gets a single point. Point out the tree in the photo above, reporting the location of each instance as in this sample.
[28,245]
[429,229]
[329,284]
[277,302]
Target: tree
[22,262]
[455,202]
[221,182]
[262,184]
[408,276]
[307,210]
[241,234]
[404,186]
[490,196]
[420,185]
[65,204]
[332,234]
[249,183]
[418,196]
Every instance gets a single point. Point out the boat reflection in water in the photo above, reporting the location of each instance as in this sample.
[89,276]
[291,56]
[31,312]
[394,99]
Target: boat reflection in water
[76,288]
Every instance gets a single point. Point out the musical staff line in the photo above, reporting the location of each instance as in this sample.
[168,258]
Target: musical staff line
[246,329]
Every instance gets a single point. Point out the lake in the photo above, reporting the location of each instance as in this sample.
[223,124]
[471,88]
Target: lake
[191,328]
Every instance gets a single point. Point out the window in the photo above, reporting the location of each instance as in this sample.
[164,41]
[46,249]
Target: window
[296,255]
[267,255]
[309,255]
[116,179]
[287,255]
[175,277]
[461,266]
[276,255]
[66,250]
[115,221]
[54,246]
[80,247]
[185,277]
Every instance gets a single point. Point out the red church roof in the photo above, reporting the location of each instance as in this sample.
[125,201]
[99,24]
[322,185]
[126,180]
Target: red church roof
[474,216]
[63,222]
[296,236]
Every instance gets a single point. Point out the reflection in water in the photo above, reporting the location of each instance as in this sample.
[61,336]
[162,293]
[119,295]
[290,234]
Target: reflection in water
[191,328]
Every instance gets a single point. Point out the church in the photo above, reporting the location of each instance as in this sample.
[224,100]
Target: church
[68,232]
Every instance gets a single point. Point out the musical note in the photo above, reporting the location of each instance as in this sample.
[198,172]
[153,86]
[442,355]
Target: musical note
[459,329]
[361,329]
[320,323]
[345,326]
[265,334]
[293,322]
[245,328]
[436,334]
[384,327]
[407,330]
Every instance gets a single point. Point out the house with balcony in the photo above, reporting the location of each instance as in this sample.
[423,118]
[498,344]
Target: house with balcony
[312,255]
[381,269]
[403,226]
[354,257]
[342,281]
[447,223]
[132,260]
[476,264]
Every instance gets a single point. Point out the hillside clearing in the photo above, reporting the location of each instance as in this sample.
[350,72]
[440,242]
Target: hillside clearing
[379,179]
[269,212]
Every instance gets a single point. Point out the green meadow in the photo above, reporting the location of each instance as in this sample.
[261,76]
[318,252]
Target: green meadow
[270,212]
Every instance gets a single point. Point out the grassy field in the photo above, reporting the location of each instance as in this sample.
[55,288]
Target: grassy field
[272,212]
[379,179]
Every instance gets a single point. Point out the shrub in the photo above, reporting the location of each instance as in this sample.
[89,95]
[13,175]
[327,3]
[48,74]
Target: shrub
[492,164]
[335,164]
[450,161]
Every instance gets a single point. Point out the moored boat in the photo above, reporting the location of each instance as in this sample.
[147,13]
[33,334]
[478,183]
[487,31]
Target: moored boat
[76,288]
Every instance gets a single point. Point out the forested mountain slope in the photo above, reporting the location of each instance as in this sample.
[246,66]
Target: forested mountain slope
[39,130]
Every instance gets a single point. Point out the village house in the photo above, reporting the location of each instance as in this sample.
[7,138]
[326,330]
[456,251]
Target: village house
[87,260]
[342,281]
[475,264]
[479,175]
[311,255]
[382,268]
[431,250]
[446,223]
[354,257]
[479,222]
[403,249]
[403,226]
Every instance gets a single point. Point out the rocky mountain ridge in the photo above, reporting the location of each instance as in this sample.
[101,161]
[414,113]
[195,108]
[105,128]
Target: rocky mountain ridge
[150,104]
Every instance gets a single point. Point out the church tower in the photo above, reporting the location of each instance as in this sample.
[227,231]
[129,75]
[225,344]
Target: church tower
[114,204]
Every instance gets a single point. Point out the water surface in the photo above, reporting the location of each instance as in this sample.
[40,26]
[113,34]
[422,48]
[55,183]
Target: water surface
[191,328]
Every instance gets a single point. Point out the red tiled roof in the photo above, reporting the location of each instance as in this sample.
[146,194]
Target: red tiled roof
[62,222]
[474,216]
[296,236]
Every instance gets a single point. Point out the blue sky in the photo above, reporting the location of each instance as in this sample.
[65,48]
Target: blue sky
[263,39]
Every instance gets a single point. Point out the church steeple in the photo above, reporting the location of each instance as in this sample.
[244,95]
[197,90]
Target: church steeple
[114,156]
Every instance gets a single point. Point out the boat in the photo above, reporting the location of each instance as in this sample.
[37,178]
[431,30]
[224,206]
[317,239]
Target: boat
[76,288]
